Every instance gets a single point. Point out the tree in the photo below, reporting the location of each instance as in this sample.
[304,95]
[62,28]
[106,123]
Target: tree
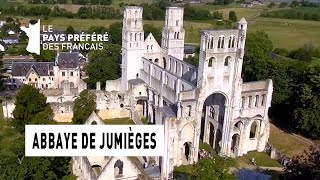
[45,55]
[305,166]
[83,107]
[115,33]
[70,30]
[258,46]
[29,102]
[232,16]
[9,20]
[103,65]
[216,168]
[97,30]
[283,4]
[156,32]
[14,165]
[271,5]
[294,4]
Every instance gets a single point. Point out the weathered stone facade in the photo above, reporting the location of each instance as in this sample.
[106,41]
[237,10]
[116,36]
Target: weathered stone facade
[209,102]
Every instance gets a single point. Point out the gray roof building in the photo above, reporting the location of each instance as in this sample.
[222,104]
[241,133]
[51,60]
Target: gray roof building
[41,68]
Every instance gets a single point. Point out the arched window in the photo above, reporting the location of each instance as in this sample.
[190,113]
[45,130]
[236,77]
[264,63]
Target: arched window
[263,100]
[135,36]
[250,101]
[226,61]
[147,47]
[229,44]
[156,60]
[140,36]
[175,35]
[135,22]
[182,68]
[151,47]
[257,101]
[189,107]
[219,42]
[94,123]
[178,35]
[136,13]
[211,44]
[222,44]
[166,80]
[210,62]
[118,168]
[233,40]
[175,66]
[253,130]
[164,63]
[242,102]
[212,112]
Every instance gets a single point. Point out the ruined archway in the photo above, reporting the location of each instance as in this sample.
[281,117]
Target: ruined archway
[164,63]
[118,168]
[213,110]
[187,151]
[218,140]
[235,143]
[211,134]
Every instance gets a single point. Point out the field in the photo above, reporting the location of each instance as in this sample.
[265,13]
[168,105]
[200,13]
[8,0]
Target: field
[262,159]
[286,143]
[297,13]
[192,28]
[248,13]
[290,36]
[119,121]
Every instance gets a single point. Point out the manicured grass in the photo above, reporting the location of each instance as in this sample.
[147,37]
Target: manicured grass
[290,36]
[192,28]
[241,12]
[119,121]
[286,143]
[261,158]
[296,13]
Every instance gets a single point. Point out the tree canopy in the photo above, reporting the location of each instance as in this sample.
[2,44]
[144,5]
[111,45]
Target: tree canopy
[305,166]
[103,65]
[29,102]
[83,107]
[295,85]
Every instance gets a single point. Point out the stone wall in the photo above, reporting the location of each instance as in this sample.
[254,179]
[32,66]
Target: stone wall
[275,154]
[114,113]
[7,108]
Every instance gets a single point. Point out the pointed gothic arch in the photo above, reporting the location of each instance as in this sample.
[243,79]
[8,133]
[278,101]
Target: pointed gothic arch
[253,130]
[118,168]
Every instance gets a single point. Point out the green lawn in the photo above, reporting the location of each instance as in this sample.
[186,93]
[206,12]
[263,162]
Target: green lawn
[242,12]
[292,36]
[119,121]
[261,158]
[286,143]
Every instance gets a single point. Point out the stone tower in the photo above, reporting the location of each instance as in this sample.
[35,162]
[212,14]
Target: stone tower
[219,79]
[132,44]
[173,33]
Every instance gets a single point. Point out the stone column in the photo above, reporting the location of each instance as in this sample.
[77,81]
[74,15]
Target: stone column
[161,101]
[145,106]
[98,86]
[226,132]
[150,112]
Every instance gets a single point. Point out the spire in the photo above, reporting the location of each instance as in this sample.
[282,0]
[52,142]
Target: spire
[243,21]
